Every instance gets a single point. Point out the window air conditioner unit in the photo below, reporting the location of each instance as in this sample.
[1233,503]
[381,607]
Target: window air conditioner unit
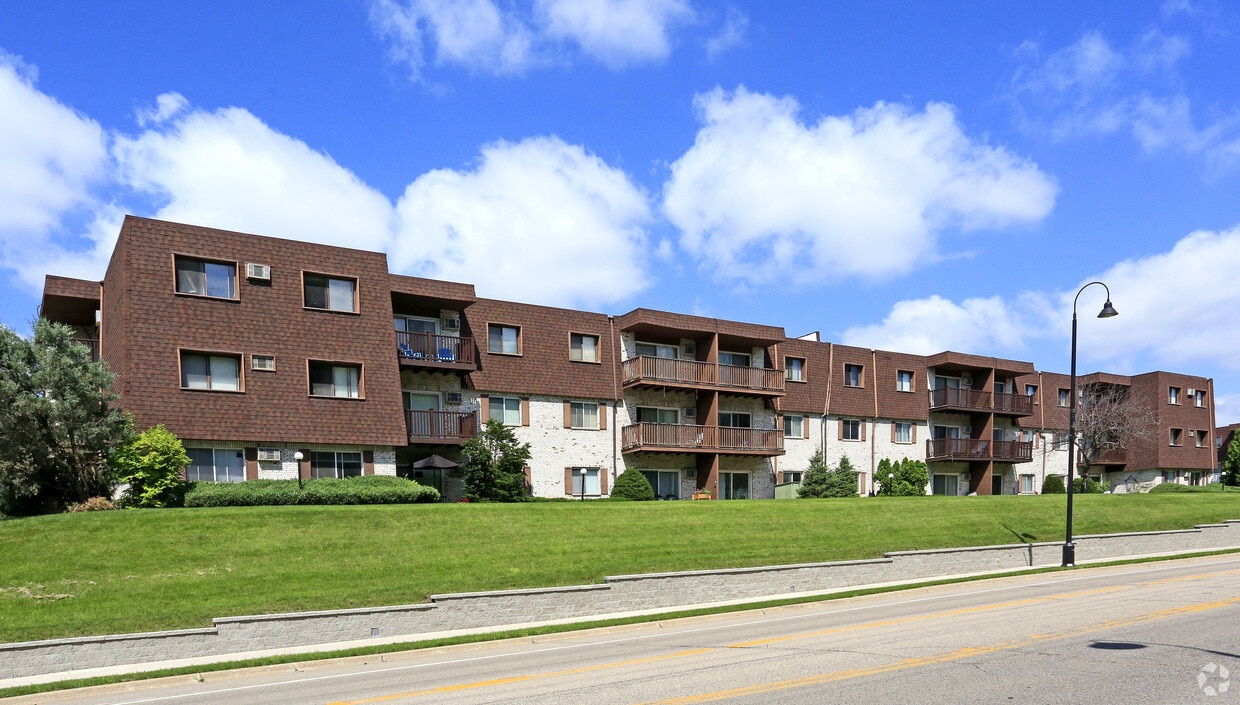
[690,412]
[1192,392]
[452,397]
[690,349]
[265,363]
[966,430]
[966,378]
[691,474]
[269,455]
[450,323]
[261,272]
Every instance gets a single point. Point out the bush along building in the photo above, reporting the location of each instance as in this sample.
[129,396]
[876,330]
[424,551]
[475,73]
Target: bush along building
[275,358]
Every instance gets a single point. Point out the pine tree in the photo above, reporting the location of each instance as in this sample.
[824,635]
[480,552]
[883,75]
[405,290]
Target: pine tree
[494,465]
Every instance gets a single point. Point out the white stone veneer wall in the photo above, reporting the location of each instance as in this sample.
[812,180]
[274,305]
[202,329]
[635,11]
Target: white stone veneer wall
[286,467]
[553,447]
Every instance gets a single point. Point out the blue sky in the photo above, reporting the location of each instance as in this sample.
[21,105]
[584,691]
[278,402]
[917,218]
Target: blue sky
[910,176]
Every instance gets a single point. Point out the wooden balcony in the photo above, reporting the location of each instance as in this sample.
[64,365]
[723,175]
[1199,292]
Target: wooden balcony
[92,344]
[1013,404]
[669,372]
[441,427]
[952,398]
[1112,456]
[978,449]
[430,350]
[685,438]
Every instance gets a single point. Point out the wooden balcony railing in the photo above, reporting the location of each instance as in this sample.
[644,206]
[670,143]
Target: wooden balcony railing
[1111,456]
[978,449]
[657,436]
[958,398]
[92,344]
[434,348]
[441,426]
[1016,404]
[666,370]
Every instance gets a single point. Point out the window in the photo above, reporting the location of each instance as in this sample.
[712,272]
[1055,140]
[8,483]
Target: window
[583,348]
[733,419]
[264,363]
[1031,390]
[651,414]
[852,375]
[328,379]
[1202,440]
[215,465]
[947,485]
[582,415]
[665,483]
[794,427]
[329,293]
[904,432]
[1173,395]
[1061,440]
[586,482]
[851,429]
[734,359]
[1063,397]
[1199,398]
[1177,436]
[658,350]
[332,464]
[794,369]
[503,340]
[220,373]
[203,278]
[507,410]
[792,476]
[1026,435]
[417,324]
[1026,484]
[904,381]
[733,485]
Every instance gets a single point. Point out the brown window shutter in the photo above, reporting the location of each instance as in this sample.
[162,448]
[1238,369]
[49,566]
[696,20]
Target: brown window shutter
[839,429]
[368,462]
[862,424]
[529,478]
[484,409]
[568,414]
[568,481]
[251,463]
[893,431]
[602,480]
[602,417]
[525,411]
[805,427]
[912,434]
[303,471]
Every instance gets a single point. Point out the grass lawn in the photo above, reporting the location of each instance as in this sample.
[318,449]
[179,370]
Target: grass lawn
[143,570]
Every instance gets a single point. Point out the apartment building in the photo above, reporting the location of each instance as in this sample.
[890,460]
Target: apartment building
[274,358]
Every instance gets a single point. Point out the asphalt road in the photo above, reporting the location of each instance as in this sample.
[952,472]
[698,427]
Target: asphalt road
[1157,633]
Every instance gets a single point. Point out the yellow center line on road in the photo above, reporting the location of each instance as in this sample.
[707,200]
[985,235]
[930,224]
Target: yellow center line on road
[947,657]
[1165,581]
[520,679]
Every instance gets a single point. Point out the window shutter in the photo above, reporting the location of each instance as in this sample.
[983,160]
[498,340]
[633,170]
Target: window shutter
[602,480]
[839,429]
[251,463]
[893,431]
[529,478]
[568,481]
[484,409]
[303,470]
[368,462]
[805,426]
[525,411]
[602,416]
[568,413]
[912,432]
[862,424]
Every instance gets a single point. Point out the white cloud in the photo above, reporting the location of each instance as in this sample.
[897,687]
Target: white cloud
[166,106]
[616,32]
[475,34]
[763,197]
[934,324]
[731,34]
[539,221]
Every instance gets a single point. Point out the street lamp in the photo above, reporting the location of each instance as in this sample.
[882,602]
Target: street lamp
[1069,548]
[298,457]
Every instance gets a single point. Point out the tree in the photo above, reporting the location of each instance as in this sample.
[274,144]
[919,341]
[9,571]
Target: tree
[632,484]
[822,481]
[152,464]
[494,465]
[902,478]
[1053,484]
[59,423]
[1109,418]
[1231,465]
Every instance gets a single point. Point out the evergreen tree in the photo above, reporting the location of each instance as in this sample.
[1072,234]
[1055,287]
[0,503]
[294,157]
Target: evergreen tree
[494,465]
[821,481]
[903,478]
[1231,465]
[632,484]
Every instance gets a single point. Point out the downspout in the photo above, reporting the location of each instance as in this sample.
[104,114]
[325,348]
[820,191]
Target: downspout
[826,408]
[1214,463]
[1042,428]
[615,395]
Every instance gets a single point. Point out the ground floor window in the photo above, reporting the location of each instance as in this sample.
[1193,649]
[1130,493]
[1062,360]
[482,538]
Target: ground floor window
[733,485]
[665,483]
[586,482]
[792,476]
[945,485]
[335,464]
[215,465]
[1197,479]
[1026,484]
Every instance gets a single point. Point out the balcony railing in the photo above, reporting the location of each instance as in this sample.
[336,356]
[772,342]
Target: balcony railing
[441,426]
[1111,456]
[92,344]
[959,398]
[1015,404]
[666,370]
[978,449]
[432,348]
[686,437]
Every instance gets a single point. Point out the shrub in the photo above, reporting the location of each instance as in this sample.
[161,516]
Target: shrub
[252,493]
[94,504]
[371,489]
[1053,484]
[1084,486]
[494,465]
[632,485]
[821,481]
[152,464]
[910,478]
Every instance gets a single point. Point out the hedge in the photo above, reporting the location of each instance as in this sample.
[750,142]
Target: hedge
[371,489]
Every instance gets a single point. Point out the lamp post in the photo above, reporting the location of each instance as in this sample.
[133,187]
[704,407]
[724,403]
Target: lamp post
[1069,548]
[298,457]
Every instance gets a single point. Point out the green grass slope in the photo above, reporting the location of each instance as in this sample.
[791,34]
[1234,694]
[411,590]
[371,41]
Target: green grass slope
[143,570]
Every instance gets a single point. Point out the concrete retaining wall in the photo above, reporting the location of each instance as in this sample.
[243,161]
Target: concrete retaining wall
[617,594]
